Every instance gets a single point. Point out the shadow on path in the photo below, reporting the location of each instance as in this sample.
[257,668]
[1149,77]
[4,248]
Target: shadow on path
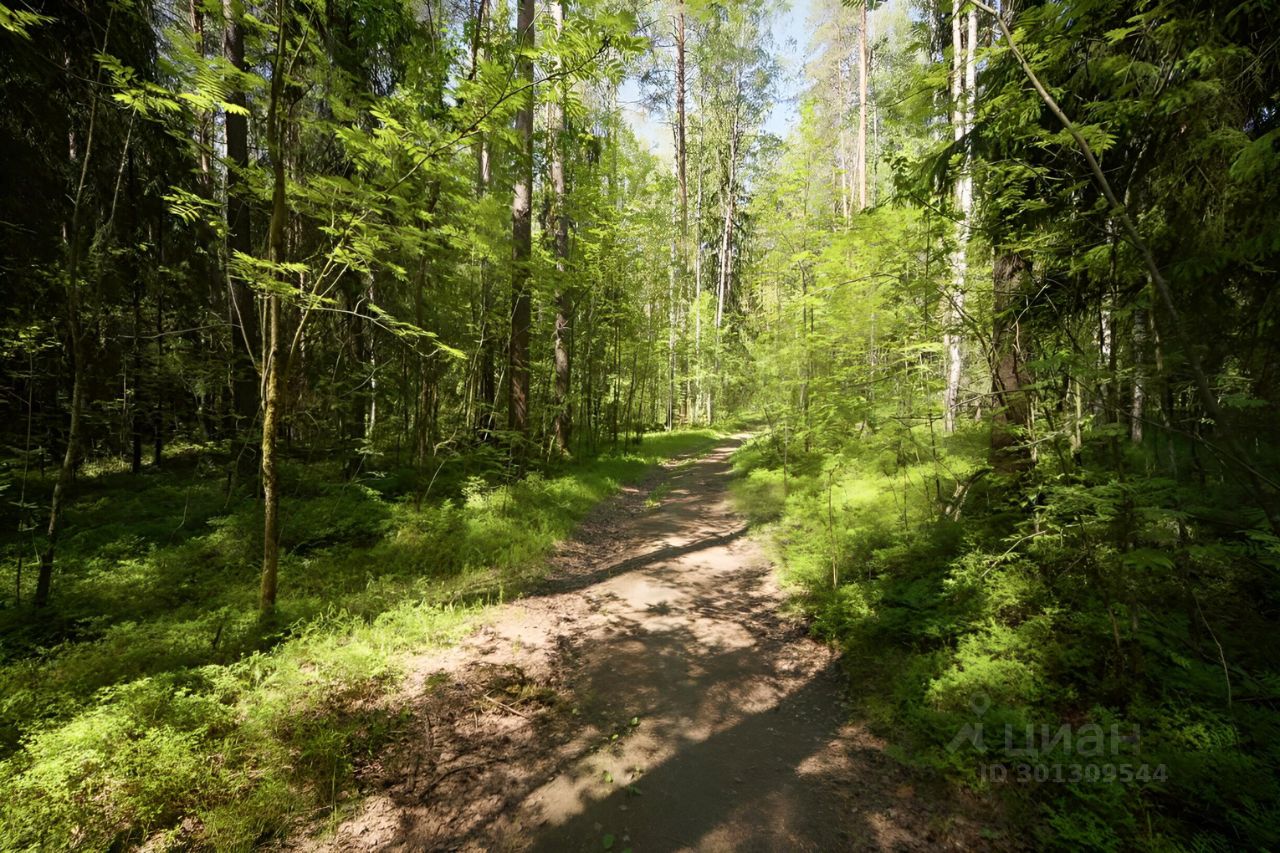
[671,707]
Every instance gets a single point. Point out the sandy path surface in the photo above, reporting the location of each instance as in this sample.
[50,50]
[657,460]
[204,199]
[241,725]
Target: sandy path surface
[650,697]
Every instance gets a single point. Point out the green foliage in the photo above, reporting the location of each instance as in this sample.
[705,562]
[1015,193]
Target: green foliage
[1055,601]
[170,711]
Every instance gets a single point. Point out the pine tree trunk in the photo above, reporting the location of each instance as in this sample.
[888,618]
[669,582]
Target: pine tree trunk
[671,336]
[75,333]
[726,253]
[679,255]
[560,228]
[681,153]
[133,400]
[242,302]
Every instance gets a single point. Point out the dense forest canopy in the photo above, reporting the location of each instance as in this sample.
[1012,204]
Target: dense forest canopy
[300,295]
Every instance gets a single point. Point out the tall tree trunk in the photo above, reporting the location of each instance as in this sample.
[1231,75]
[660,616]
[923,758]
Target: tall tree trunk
[242,302]
[270,474]
[971,76]
[487,386]
[679,256]
[423,438]
[75,334]
[671,336]
[846,160]
[681,153]
[1012,412]
[560,228]
[358,398]
[963,70]
[133,401]
[522,232]
[726,251]
[44,578]
[1138,401]
[699,390]
[488,337]
[862,106]
[157,411]
[272,367]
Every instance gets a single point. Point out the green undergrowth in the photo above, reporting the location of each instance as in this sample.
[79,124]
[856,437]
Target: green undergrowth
[1129,619]
[151,704]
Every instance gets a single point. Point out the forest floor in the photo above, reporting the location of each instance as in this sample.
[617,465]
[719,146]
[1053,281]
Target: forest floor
[651,695]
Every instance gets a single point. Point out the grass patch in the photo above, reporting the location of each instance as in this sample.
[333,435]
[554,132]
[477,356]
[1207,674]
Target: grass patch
[152,704]
[1073,597]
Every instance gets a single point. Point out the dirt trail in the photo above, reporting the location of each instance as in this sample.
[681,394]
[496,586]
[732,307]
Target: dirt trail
[650,697]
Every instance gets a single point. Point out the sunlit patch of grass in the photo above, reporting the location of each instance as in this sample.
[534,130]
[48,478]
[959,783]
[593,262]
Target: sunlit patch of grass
[156,704]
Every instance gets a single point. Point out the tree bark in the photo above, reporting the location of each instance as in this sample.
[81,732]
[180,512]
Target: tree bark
[678,256]
[681,153]
[563,425]
[522,232]
[1138,400]
[726,251]
[963,70]
[75,334]
[245,337]
[271,357]
[862,106]
[1011,417]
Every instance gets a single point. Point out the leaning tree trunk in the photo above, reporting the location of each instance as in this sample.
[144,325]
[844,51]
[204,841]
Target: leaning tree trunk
[75,333]
[44,578]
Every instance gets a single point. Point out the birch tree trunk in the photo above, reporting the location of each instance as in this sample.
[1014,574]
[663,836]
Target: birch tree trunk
[522,231]
[862,106]
[963,78]
[1138,401]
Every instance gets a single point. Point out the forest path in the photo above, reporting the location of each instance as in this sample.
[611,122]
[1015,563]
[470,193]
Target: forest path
[650,696]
